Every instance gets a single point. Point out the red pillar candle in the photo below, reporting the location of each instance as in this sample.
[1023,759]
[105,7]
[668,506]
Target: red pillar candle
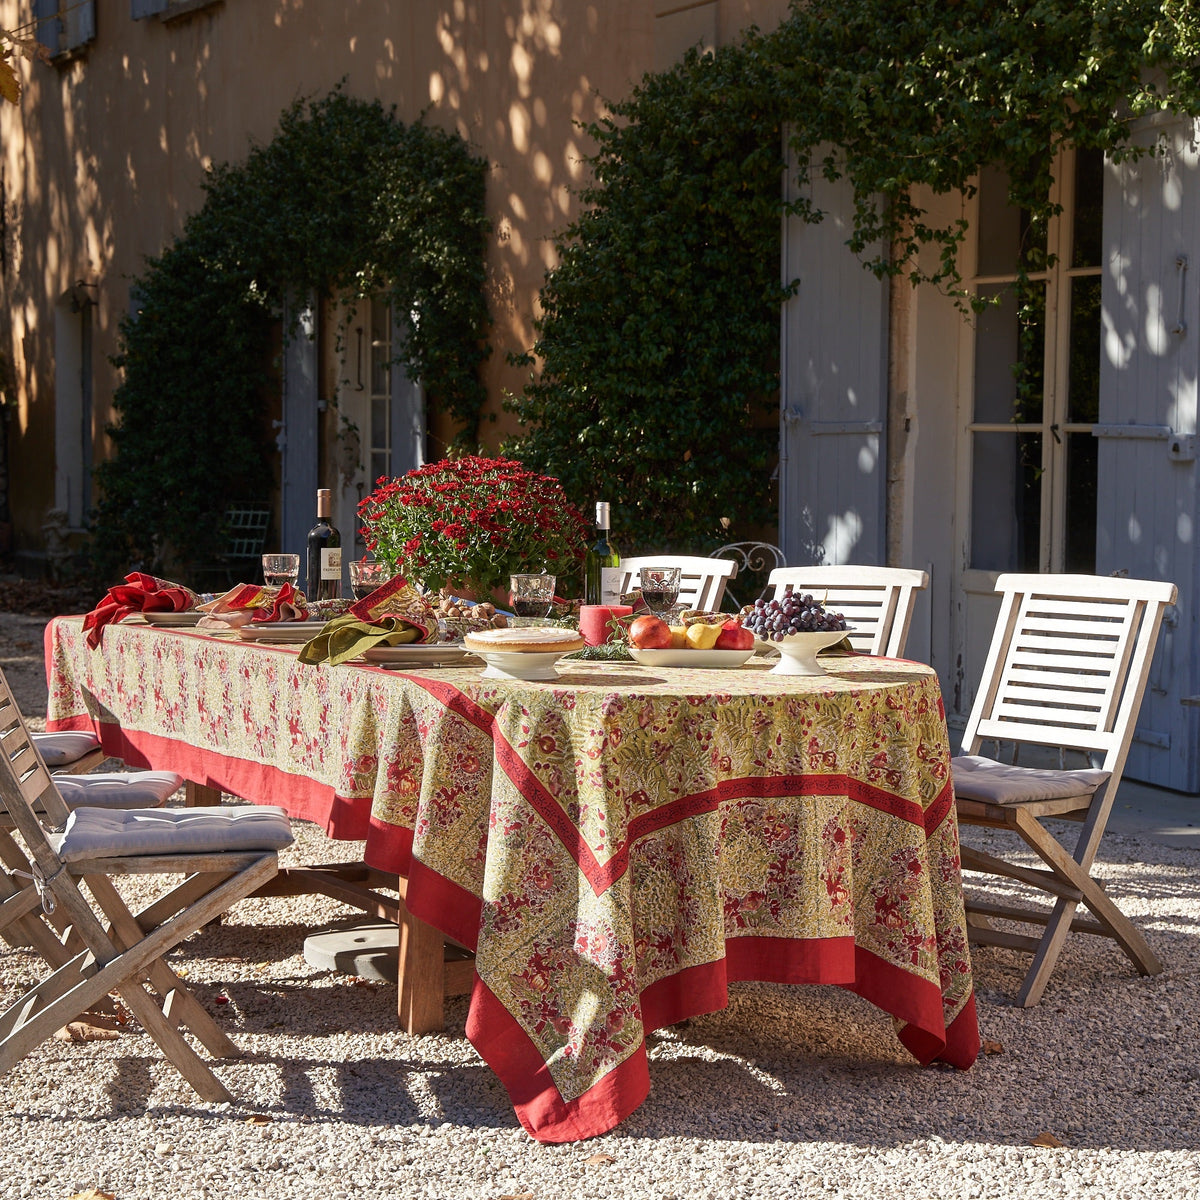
[594,619]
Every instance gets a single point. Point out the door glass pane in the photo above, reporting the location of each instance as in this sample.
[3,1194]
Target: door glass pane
[1080,549]
[381,348]
[1010,357]
[1004,232]
[1006,501]
[1089,208]
[1083,383]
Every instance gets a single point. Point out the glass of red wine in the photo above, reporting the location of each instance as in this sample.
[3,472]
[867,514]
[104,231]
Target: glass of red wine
[660,588]
[532,595]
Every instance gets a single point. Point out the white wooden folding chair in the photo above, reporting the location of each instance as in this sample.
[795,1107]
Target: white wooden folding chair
[701,580]
[1067,668]
[877,602]
[223,854]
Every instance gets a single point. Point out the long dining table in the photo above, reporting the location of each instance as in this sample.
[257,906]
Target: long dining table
[615,846]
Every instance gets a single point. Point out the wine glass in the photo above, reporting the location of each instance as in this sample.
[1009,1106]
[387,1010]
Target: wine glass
[279,569]
[367,574]
[660,588]
[532,595]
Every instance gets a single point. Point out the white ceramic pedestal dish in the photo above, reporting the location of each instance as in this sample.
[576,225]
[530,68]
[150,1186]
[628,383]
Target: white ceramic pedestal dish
[798,652]
[533,665]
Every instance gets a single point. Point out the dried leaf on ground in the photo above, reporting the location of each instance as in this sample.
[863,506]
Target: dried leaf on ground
[259,1119]
[1045,1139]
[992,1047]
[517,1196]
[598,1160]
[93,1029]
[93,1193]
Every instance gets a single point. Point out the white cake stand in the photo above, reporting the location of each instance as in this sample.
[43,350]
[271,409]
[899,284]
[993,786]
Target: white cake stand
[798,652]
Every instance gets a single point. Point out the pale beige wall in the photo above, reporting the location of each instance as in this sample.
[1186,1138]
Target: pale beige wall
[105,157]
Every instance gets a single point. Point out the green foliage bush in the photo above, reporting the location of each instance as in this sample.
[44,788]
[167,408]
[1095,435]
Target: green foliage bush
[345,200]
[659,332]
[659,328]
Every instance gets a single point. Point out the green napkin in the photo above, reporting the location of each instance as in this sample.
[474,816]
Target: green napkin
[347,637]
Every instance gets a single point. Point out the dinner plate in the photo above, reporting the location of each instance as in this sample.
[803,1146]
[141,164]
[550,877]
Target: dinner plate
[691,658]
[169,620]
[280,631]
[445,655]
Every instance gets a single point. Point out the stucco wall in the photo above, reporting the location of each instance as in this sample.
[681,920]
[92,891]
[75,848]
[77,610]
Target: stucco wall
[105,156]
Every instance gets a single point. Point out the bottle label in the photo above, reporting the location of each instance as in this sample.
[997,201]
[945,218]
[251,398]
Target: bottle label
[331,563]
[610,585]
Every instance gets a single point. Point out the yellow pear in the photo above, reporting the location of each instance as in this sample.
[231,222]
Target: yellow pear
[679,637]
[702,637]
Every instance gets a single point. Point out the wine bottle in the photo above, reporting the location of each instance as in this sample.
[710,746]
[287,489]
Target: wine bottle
[602,567]
[323,576]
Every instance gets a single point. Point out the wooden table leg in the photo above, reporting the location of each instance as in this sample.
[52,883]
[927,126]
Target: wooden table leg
[420,975]
[199,795]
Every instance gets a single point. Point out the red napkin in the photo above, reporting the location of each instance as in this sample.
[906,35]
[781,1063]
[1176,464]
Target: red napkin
[287,605]
[139,593]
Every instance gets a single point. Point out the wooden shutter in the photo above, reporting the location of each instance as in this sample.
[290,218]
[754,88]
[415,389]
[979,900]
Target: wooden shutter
[146,8]
[1147,513]
[834,391]
[45,12]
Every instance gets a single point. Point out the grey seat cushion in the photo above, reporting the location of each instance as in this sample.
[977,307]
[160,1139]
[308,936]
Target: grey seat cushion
[118,789]
[62,749]
[119,833]
[985,779]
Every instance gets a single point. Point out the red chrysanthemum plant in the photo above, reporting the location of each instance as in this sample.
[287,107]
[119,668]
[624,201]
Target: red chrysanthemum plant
[469,523]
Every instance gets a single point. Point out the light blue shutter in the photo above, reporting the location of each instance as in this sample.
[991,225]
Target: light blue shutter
[834,391]
[146,8]
[297,439]
[45,12]
[1147,514]
[81,27]
[408,411]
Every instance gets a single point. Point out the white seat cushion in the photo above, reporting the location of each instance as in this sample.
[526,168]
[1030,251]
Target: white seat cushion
[985,779]
[119,789]
[121,833]
[62,749]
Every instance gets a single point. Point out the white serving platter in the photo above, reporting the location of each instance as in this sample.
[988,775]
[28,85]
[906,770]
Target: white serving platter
[691,658]
[171,620]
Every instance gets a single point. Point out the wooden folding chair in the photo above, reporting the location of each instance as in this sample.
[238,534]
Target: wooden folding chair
[224,854]
[877,602]
[701,580]
[1067,668]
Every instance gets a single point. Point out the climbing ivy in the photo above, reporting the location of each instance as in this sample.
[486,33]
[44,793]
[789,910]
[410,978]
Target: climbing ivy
[658,337]
[659,326]
[345,201]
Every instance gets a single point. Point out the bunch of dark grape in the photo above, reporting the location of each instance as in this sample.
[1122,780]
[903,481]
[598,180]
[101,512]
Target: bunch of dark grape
[773,620]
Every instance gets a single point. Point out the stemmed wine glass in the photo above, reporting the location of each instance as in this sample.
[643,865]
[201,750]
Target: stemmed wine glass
[660,588]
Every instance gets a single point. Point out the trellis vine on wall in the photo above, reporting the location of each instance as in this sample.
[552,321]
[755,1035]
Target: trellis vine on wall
[659,327]
[345,200]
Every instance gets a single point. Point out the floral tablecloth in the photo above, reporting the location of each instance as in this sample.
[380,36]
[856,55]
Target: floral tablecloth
[616,847]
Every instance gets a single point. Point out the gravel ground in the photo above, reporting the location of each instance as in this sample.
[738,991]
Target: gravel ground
[790,1092]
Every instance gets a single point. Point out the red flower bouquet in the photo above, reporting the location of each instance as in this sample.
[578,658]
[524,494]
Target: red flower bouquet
[473,522]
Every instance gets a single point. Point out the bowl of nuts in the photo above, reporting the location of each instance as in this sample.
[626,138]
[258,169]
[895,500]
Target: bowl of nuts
[456,618]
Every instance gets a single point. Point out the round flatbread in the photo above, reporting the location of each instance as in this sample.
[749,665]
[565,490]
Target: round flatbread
[534,639]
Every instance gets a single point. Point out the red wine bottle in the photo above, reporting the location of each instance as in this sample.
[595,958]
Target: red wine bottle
[323,577]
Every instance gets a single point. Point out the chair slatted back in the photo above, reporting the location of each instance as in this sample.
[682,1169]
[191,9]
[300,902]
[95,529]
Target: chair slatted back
[1068,663]
[877,602]
[25,780]
[701,580]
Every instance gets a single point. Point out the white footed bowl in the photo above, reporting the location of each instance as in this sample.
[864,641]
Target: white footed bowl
[798,651]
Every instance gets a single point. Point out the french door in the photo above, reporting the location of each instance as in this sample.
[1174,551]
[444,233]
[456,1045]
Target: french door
[1029,398]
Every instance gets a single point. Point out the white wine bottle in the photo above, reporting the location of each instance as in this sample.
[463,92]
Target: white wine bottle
[602,567]
[323,575]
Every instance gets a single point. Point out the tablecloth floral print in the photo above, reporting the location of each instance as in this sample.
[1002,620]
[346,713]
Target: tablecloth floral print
[615,847]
